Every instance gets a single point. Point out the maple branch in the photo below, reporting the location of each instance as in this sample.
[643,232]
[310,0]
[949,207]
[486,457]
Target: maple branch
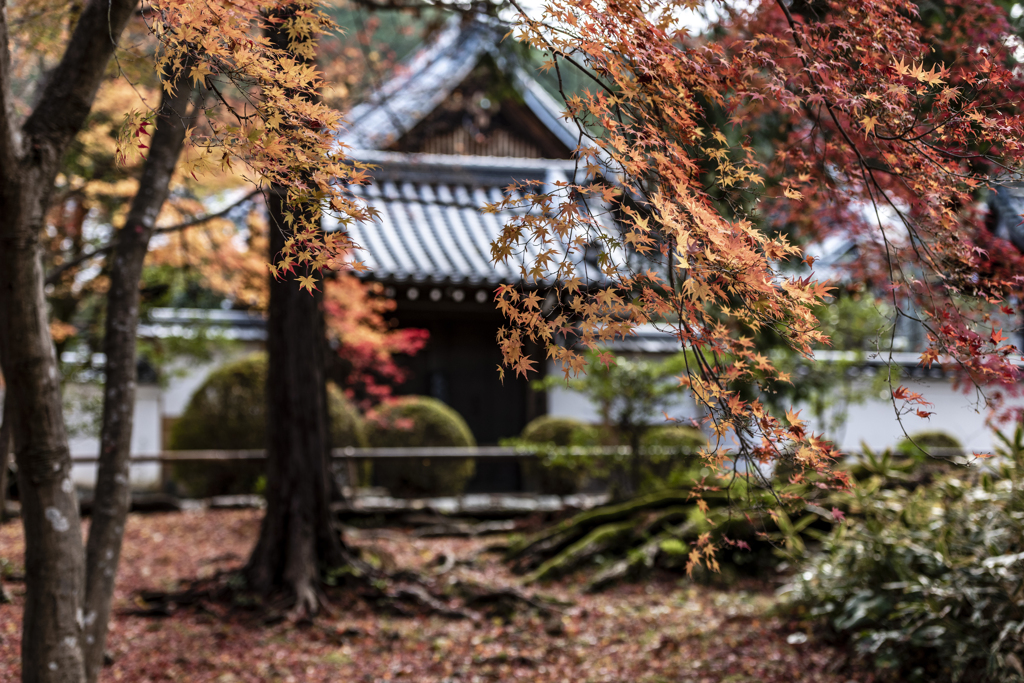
[866,171]
[461,7]
[67,98]
[54,275]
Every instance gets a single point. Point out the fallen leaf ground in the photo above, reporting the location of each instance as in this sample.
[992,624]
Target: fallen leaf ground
[665,629]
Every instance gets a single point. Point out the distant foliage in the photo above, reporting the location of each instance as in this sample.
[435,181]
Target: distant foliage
[420,421]
[673,440]
[229,412]
[669,455]
[926,580]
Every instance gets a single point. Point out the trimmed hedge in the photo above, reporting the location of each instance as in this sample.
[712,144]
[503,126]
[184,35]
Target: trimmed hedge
[554,476]
[420,421]
[670,457]
[928,441]
[228,412]
[560,431]
[674,438]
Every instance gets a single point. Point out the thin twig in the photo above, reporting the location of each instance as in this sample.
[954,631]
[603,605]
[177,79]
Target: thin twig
[54,275]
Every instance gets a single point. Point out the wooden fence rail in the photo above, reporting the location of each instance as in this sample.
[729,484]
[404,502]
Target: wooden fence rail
[357,453]
[445,452]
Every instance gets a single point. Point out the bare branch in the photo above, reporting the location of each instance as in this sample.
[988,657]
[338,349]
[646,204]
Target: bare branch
[54,275]
[203,219]
[462,7]
[69,93]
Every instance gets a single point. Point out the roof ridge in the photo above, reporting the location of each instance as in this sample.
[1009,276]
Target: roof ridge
[425,79]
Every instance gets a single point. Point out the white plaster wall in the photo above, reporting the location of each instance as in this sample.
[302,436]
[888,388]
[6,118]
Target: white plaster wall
[566,402]
[872,423]
[146,438]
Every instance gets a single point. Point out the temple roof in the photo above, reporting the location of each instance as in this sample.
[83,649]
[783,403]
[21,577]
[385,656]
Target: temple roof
[429,77]
[431,227]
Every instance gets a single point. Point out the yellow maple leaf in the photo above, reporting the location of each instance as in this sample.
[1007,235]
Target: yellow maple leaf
[869,123]
[307,282]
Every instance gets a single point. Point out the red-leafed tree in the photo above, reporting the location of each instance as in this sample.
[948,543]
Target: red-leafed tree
[721,152]
[365,344]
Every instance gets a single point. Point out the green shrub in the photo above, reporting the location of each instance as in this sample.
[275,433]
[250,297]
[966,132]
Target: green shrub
[553,473]
[928,441]
[348,428]
[420,421]
[228,412]
[926,581]
[559,431]
[670,457]
[673,440]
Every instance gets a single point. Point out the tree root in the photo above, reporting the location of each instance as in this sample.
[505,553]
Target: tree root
[529,554]
[403,592]
[640,560]
[608,537]
[628,539]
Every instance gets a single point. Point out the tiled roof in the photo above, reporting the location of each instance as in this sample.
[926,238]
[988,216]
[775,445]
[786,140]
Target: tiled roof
[425,80]
[431,227]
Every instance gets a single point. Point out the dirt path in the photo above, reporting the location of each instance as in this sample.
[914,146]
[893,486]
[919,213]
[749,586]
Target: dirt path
[662,630]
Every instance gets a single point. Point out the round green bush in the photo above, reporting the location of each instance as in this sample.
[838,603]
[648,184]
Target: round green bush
[228,412]
[556,476]
[348,428]
[928,441]
[670,457]
[559,431]
[423,422]
[674,438]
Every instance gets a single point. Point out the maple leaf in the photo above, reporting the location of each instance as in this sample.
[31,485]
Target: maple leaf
[869,123]
[307,282]
[838,515]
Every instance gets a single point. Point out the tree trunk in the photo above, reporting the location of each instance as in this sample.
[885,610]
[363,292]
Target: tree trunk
[54,557]
[297,537]
[30,157]
[113,496]
[5,451]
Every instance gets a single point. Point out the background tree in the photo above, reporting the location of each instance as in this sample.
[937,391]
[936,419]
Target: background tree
[632,395]
[297,537]
[112,494]
[876,139]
